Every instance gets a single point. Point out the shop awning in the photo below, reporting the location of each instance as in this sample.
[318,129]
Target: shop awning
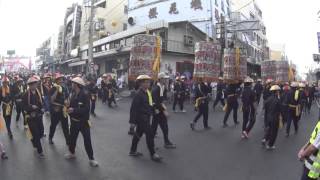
[77,63]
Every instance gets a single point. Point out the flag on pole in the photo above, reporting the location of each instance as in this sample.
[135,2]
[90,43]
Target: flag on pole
[156,64]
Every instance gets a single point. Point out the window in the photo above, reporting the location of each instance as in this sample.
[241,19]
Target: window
[125,9]
[217,14]
[125,26]
[222,5]
[252,16]
[188,40]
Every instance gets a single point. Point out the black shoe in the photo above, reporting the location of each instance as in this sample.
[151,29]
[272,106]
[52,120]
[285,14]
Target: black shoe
[236,123]
[4,156]
[225,125]
[51,141]
[287,134]
[155,157]
[192,126]
[207,128]
[43,136]
[135,154]
[169,145]
[10,135]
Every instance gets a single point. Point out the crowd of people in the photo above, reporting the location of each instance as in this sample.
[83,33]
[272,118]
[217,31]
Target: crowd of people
[71,99]
[283,103]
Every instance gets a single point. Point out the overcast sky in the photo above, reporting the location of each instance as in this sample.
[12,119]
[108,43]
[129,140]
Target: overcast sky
[25,24]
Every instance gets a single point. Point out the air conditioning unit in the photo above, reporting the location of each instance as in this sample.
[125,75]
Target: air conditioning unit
[131,21]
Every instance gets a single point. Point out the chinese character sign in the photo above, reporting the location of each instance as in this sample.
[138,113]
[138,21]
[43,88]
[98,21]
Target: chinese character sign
[207,61]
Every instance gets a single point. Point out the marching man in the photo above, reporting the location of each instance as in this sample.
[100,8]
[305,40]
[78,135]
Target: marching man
[140,114]
[6,99]
[160,112]
[32,105]
[79,111]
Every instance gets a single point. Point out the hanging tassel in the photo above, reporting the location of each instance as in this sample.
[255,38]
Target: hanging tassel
[2,124]
[29,134]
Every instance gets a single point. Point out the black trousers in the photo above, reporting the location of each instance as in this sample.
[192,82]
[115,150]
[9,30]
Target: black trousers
[143,128]
[19,111]
[232,106]
[285,113]
[57,117]
[258,97]
[305,173]
[7,117]
[249,116]
[271,132]
[309,104]
[292,118]
[84,128]
[93,106]
[35,129]
[161,120]
[178,100]
[104,96]
[218,98]
[203,111]
[111,100]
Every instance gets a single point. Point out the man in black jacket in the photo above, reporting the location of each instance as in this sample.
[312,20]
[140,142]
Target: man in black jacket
[32,105]
[294,99]
[220,93]
[232,103]
[79,111]
[201,105]
[140,113]
[58,109]
[93,91]
[266,94]
[160,110]
[179,94]
[18,90]
[258,89]
[6,97]
[248,98]
[273,108]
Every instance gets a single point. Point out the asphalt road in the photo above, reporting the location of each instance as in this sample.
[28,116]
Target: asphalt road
[217,154]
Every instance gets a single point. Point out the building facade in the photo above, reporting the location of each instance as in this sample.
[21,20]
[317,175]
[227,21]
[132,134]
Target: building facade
[110,17]
[204,14]
[45,55]
[254,41]
[71,36]
[112,54]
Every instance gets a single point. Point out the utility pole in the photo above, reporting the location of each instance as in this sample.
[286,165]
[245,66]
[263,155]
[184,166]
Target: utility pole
[90,70]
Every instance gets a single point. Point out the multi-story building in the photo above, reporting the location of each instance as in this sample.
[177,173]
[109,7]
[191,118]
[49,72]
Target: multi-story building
[71,35]
[45,55]
[110,17]
[255,42]
[204,14]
